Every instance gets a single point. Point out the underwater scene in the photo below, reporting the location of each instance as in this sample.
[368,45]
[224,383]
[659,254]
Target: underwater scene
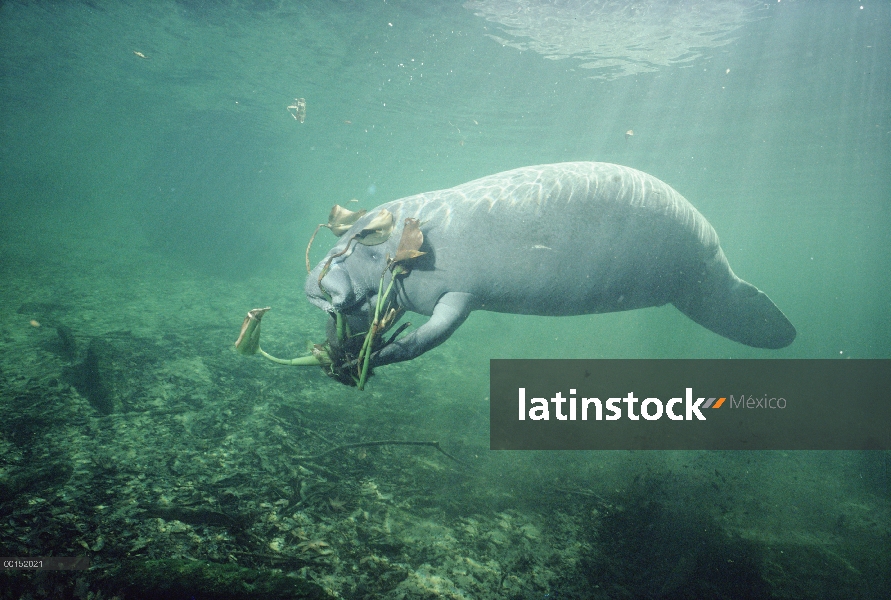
[164,166]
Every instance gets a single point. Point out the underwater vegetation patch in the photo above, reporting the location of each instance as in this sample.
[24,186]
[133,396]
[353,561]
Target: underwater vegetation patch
[652,542]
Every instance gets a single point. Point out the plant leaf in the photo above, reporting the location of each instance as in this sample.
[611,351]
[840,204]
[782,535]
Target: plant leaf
[340,220]
[410,242]
[378,230]
[248,341]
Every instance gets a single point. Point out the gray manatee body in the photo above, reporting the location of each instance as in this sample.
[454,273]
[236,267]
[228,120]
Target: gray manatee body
[561,239]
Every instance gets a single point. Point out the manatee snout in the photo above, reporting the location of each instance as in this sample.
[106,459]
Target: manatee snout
[334,293]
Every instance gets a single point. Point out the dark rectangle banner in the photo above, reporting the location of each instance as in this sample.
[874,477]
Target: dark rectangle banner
[619,404]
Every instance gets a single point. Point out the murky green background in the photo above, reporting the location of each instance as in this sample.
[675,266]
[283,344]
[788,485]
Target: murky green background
[192,155]
[175,191]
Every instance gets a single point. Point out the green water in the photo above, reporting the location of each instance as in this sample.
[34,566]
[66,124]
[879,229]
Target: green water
[165,195]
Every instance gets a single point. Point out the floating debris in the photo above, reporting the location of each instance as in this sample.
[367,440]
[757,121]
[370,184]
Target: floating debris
[298,109]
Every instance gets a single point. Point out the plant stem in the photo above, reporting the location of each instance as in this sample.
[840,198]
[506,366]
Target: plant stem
[366,344]
[299,361]
[365,353]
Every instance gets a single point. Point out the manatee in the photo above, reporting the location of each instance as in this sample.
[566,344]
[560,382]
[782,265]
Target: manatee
[561,239]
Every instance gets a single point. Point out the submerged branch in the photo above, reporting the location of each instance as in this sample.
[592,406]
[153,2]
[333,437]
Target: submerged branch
[380,443]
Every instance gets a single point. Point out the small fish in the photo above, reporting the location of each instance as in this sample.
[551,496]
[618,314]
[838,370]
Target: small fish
[540,247]
[140,54]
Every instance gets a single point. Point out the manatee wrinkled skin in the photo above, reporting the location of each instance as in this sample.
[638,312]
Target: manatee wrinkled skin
[561,239]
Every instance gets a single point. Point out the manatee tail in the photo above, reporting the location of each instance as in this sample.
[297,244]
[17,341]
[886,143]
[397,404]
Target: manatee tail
[739,311]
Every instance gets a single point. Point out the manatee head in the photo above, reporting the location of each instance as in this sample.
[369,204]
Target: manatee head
[348,299]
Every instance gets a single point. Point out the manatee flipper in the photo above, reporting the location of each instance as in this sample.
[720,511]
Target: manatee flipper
[736,309]
[449,313]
